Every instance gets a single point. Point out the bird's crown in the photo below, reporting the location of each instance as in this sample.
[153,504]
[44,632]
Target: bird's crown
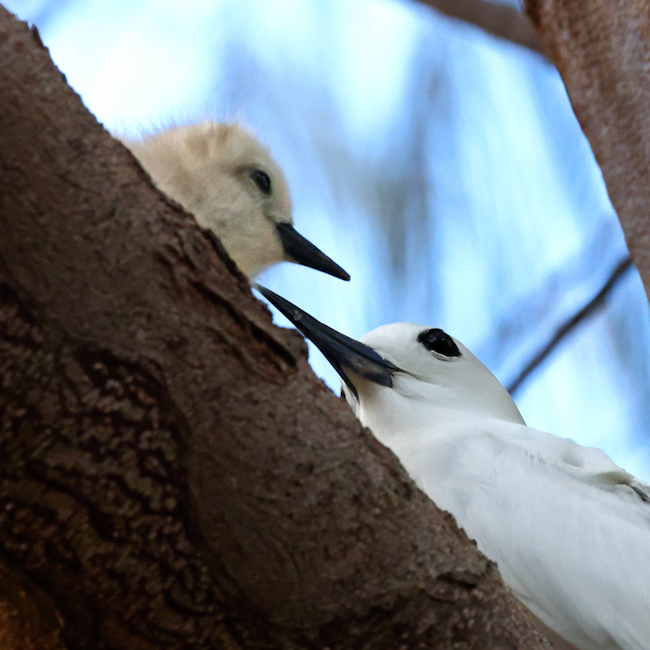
[438,369]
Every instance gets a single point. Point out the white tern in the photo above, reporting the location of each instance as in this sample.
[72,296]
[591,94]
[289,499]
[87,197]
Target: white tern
[224,176]
[568,529]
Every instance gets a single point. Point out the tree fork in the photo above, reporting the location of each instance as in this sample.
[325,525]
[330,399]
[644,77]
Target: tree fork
[172,474]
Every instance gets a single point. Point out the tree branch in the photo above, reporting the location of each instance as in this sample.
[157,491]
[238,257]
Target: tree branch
[597,301]
[496,19]
[602,51]
[173,475]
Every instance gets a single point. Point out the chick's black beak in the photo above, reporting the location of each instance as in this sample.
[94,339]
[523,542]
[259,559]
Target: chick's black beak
[303,252]
[341,351]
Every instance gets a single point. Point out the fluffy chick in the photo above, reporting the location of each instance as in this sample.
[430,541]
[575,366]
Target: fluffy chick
[224,176]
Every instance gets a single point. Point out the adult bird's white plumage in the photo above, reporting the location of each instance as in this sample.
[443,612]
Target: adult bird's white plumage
[224,176]
[568,528]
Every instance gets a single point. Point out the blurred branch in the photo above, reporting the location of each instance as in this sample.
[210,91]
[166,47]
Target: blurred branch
[596,302]
[499,20]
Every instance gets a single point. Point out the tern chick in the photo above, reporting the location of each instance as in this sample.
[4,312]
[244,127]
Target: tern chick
[569,529]
[224,176]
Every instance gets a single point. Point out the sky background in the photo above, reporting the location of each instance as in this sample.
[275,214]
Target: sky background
[442,168]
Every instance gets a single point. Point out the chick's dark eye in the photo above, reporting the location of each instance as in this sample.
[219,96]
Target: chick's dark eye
[262,181]
[438,341]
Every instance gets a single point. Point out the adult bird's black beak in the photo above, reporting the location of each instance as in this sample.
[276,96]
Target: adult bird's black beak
[303,252]
[341,351]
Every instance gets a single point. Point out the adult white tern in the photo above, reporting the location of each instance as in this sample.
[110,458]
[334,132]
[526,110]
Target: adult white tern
[569,529]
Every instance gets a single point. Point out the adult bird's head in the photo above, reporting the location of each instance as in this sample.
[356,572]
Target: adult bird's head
[401,377]
[224,176]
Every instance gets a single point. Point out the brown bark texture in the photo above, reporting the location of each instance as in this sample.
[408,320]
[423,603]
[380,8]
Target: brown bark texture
[602,50]
[172,475]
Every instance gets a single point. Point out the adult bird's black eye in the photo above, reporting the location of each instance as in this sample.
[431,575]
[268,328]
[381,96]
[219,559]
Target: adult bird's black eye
[262,181]
[439,341]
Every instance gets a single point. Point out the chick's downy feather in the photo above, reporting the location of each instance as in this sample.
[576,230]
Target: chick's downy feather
[207,168]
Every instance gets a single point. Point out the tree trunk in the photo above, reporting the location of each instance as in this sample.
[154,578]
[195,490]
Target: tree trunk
[602,50]
[172,473]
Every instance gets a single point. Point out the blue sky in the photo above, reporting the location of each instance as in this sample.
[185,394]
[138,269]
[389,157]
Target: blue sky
[442,168]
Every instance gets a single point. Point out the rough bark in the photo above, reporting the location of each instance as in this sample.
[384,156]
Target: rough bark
[172,474]
[602,50]
[499,20]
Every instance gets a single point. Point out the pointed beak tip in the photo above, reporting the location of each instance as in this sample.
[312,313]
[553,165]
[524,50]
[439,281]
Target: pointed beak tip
[267,293]
[302,251]
[289,310]
[340,350]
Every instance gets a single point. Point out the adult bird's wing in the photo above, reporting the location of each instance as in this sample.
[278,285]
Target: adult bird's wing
[569,529]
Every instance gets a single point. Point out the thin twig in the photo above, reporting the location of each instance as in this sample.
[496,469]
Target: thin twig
[596,302]
[499,20]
